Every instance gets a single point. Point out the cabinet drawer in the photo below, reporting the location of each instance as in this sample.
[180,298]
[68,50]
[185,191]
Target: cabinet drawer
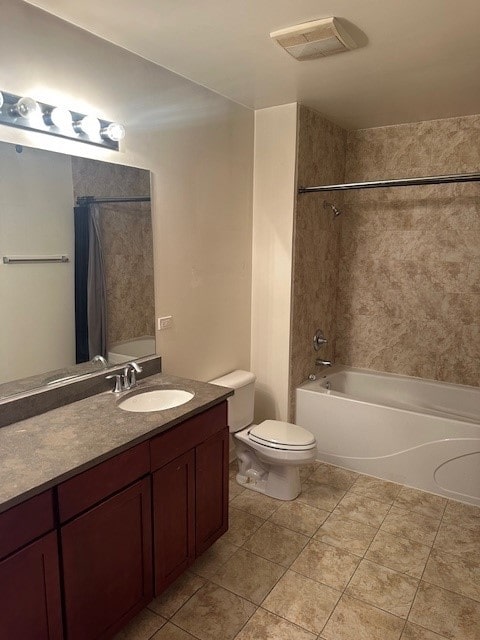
[88,488]
[25,522]
[187,435]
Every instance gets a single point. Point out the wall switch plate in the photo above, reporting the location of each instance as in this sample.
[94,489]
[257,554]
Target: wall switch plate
[164,323]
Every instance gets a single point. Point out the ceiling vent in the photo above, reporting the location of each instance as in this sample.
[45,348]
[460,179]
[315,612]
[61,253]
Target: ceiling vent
[314,39]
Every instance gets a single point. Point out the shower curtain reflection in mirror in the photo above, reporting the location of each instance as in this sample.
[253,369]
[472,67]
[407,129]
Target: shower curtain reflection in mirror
[90,285]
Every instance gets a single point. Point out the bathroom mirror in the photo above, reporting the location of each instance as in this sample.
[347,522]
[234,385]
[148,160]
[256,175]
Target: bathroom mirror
[76,267]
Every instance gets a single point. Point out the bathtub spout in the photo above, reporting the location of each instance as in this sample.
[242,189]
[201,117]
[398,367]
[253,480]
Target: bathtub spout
[323,363]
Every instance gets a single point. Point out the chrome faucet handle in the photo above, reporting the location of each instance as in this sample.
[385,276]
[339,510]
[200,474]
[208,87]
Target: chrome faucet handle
[118,388]
[319,340]
[129,372]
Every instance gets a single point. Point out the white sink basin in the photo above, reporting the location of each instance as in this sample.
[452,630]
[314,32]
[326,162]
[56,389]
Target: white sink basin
[155,400]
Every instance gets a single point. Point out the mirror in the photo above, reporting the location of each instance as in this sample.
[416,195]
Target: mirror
[76,267]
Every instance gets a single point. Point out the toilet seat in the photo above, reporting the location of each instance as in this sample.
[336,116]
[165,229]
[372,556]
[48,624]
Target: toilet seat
[282,435]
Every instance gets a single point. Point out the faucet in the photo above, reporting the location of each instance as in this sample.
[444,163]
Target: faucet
[323,363]
[130,375]
[101,359]
[126,380]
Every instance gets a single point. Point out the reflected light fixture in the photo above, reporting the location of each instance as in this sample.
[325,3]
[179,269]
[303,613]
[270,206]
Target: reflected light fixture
[26,113]
[58,117]
[114,131]
[24,108]
[89,125]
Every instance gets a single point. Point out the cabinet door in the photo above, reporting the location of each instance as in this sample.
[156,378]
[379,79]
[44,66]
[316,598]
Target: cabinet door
[211,482]
[173,519]
[107,564]
[30,606]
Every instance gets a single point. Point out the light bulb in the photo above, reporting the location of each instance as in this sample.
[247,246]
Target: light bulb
[25,108]
[59,117]
[114,132]
[89,125]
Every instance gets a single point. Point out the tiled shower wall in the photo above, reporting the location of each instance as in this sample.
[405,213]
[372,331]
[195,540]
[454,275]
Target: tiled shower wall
[409,271]
[400,292]
[320,160]
[127,240]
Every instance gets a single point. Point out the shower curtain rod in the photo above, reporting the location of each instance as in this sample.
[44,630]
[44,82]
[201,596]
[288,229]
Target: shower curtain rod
[405,182]
[83,200]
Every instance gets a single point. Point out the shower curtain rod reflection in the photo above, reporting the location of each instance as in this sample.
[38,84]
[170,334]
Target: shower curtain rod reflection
[404,182]
[84,200]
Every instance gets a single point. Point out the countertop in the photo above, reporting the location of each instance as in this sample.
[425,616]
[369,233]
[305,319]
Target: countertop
[42,451]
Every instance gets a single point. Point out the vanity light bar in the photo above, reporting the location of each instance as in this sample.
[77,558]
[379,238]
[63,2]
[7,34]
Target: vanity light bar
[26,113]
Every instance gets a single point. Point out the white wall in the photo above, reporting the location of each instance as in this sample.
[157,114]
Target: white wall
[273,207]
[37,309]
[199,147]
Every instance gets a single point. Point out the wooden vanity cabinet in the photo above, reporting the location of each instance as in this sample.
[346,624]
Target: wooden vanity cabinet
[30,602]
[106,548]
[190,492]
[78,561]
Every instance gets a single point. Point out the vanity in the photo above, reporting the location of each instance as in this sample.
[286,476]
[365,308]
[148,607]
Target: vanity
[101,509]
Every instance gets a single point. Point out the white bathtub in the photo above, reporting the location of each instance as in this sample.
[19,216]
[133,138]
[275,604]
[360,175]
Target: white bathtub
[421,433]
[131,349]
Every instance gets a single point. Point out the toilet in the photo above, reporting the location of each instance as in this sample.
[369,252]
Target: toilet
[270,453]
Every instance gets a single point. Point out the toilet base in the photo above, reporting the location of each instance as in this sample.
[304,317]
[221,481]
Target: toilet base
[277,481]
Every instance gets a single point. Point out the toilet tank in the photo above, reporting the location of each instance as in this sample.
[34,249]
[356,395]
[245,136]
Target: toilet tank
[240,405]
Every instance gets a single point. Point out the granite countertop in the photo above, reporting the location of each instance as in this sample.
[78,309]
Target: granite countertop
[40,452]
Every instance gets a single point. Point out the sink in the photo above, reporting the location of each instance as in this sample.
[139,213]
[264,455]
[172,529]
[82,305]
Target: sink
[155,400]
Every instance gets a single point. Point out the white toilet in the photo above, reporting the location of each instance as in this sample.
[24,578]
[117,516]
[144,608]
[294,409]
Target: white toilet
[269,454]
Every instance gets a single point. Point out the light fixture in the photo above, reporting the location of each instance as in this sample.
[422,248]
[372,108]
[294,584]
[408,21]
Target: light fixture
[25,113]
[25,108]
[89,125]
[114,131]
[58,117]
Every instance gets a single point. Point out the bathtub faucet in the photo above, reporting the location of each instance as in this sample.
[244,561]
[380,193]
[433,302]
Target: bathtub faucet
[323,363]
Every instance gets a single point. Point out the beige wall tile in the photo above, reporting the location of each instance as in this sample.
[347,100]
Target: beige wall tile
[406,254]
[320,160]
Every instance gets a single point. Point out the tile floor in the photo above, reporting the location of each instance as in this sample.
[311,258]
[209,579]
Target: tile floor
[352,558]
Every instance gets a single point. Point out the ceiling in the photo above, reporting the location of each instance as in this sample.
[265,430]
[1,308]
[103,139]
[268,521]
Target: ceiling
[418,59]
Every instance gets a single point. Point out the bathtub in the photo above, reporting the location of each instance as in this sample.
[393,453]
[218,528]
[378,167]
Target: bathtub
[131,349]
[421,433]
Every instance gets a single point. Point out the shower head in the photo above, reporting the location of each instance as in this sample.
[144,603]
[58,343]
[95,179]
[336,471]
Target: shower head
[327,205]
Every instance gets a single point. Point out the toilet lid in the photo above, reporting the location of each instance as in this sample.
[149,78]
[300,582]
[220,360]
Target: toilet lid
[274,432]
